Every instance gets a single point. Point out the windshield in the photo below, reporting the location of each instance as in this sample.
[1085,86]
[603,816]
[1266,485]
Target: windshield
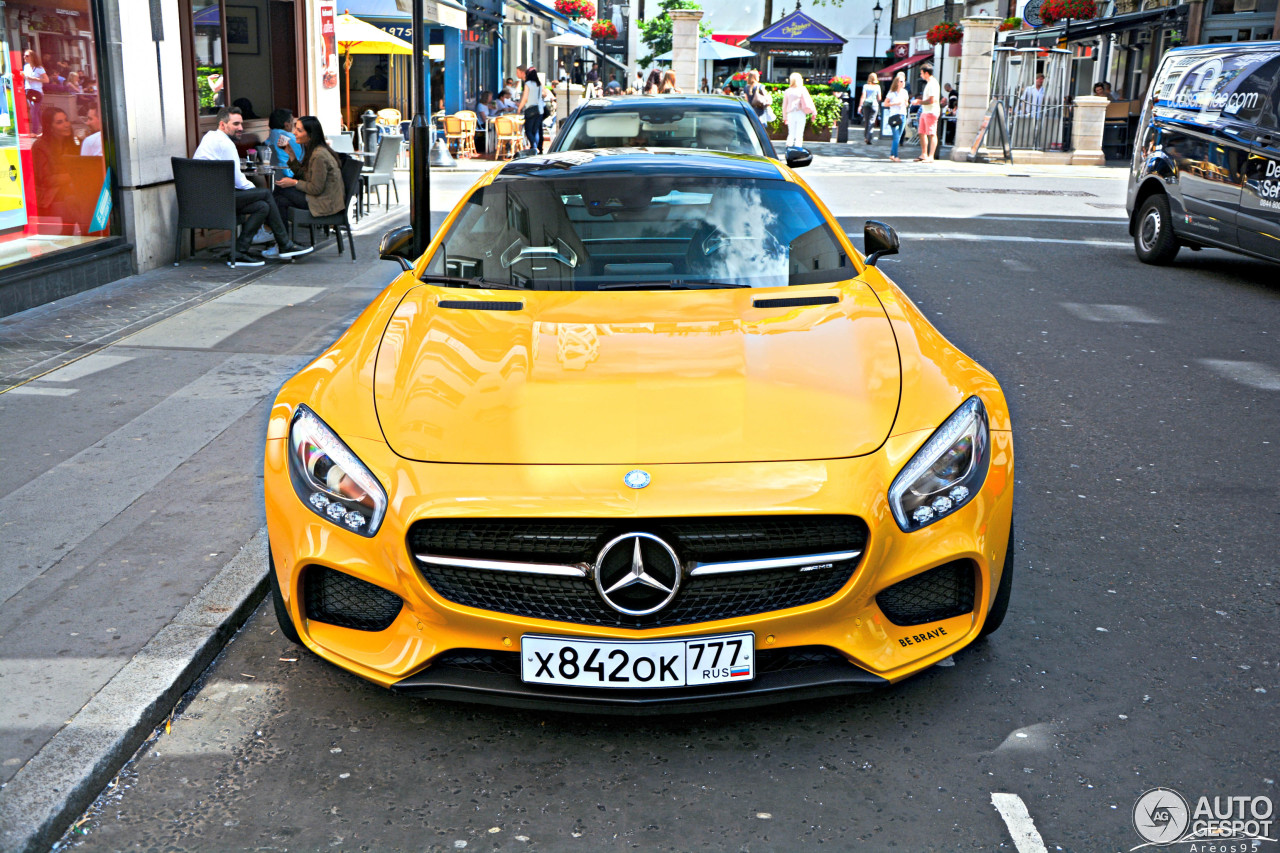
[615,232]
[664,126]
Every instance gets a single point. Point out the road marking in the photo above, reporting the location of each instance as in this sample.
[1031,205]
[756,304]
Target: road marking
[1022,829]
[98,483]
[1110,313]
[1009,238]
[36,391]
[208,325]
[1246,373]
[85,367]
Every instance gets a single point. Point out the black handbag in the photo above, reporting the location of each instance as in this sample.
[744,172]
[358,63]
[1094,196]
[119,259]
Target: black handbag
[895,121]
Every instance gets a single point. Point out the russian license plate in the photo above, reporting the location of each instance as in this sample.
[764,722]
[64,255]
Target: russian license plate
[687,662]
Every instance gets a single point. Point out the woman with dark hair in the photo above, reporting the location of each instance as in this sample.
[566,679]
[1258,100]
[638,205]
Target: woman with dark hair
[532,104]
[318,185]
[653,85]
[281,123]
[54,157]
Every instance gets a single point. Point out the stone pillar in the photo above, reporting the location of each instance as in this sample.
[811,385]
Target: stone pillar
[684,47]
[1088,115]
[975,81]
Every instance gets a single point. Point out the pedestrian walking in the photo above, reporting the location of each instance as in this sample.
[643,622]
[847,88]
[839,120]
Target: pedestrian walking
[895,104]
[930,103]
[797,106]
[759,98]
[869,105]
[1032,100]
[669,86]
[531,105]
[653,85]
[34,78]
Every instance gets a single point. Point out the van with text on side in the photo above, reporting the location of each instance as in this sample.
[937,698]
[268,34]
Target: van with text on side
[1206,158]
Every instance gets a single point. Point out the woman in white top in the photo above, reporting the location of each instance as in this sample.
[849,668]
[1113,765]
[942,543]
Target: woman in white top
[797,106]
[531,105]
[34,78]
[869,105]
[896,103]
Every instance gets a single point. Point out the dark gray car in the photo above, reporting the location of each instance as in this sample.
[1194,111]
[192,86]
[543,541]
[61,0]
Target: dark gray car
[708,122]
[1206,162]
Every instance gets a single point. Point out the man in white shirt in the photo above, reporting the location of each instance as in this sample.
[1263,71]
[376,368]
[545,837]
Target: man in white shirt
[257,202]
[1032,99]
[91,146]
[930,102]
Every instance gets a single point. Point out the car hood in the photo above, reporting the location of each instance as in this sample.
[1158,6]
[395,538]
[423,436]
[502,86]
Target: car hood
[636,377]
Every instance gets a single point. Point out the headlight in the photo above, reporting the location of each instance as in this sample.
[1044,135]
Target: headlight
[330,479]
[946,473]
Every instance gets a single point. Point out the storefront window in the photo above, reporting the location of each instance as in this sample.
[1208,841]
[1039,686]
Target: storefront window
[55,188]
[206,21]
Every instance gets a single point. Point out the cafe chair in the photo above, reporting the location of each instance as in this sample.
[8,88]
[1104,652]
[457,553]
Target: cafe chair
[206,191]
[382,174]
[507,134]
[460,134]
[351,173]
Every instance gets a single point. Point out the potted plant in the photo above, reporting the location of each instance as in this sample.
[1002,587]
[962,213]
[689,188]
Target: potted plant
[576,9]
[840,83]
[1013,23]
[737,81]
[603,30]
[947,32]
[1053,11]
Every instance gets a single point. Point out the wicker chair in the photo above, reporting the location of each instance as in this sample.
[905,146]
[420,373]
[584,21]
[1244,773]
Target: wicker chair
[460,134]
[351,171]
[507,134]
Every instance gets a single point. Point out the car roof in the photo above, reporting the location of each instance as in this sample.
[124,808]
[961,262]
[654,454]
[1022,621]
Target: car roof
[717,102]
[1228,47]
[656,162]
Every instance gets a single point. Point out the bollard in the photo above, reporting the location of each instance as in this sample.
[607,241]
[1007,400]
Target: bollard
[369,132]
[846,106]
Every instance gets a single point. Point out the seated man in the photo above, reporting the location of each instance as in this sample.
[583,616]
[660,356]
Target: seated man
[505,103]
[256,202]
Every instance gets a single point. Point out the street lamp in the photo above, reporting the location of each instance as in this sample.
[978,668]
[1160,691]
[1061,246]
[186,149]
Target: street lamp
[876,12]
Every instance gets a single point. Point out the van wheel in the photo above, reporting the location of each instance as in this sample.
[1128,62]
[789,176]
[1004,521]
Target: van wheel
[1153,239]
[277,600]
[999,607]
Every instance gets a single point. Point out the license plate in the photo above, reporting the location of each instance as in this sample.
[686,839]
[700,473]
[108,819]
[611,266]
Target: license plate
[718,659]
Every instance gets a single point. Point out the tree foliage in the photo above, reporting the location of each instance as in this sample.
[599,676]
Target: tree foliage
[656,32]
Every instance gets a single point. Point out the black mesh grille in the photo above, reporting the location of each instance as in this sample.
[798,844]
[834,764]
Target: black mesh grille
[336,598]
[767,660]
[929,596]
[701,599]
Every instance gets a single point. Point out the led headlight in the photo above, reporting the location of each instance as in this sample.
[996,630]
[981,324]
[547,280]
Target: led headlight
[330,479]
[946,472]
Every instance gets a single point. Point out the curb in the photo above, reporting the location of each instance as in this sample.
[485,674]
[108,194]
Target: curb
[67,774]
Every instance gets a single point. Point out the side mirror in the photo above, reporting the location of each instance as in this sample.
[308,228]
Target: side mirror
[880,240]
[397,245]
[523,153]
[798,157]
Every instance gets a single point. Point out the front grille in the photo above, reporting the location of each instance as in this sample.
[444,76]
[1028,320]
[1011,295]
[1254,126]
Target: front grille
[936,594]
[336,598]
[767,660]
[704,540]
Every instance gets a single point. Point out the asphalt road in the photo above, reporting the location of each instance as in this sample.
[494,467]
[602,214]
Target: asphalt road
[1141,647]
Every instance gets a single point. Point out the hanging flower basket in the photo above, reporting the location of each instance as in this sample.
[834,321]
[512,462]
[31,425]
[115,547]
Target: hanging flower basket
[947,32]
[604,30]
[1014,23]
[840,84]
[576,9]
[737,81]
[1053,11]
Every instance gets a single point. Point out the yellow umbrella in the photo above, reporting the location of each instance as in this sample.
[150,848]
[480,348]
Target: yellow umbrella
[356,36]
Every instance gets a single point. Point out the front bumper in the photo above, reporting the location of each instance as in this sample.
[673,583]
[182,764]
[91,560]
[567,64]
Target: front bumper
[409,655]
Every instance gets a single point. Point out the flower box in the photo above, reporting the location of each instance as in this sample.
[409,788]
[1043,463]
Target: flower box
[947,32]
[1062,10]
[604,30]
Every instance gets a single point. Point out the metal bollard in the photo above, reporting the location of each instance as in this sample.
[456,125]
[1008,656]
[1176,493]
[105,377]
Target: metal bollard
[842,132]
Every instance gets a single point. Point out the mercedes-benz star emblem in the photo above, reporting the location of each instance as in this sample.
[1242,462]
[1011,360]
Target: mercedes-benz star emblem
[637,574]
[636,479]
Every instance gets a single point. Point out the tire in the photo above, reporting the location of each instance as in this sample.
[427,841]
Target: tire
[1153,237]
[999,607]
[277,599]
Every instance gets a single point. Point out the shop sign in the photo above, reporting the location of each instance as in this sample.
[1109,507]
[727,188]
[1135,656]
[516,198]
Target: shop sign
[328,46]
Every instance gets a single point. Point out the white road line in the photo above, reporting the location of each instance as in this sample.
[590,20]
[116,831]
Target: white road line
[1110,313]
[1246,373]
[1022,829]
[86,366]
[1009,238]
[37,391]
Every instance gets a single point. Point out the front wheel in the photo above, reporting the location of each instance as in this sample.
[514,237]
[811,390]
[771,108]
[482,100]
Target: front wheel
[1153,239]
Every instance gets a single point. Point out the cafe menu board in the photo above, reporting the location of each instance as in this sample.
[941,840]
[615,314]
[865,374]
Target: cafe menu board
[328,46]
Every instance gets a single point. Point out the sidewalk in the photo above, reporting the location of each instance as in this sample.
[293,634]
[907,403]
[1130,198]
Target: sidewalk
[130,481]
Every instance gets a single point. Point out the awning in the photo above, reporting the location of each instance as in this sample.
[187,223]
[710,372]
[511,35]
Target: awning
[1080,30]
[547,12]
[889,70]
[606,57]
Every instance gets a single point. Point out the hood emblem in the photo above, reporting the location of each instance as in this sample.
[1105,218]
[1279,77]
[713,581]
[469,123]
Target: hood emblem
[637,574]
[636,479]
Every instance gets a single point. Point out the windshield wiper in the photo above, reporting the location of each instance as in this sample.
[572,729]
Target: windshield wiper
[672,285]
[474,281]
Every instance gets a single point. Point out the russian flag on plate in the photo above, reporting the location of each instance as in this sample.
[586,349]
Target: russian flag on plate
[739,671]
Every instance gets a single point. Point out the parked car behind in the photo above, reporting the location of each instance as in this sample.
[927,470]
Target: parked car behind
[1206,161]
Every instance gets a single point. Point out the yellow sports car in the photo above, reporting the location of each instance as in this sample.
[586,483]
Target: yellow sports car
[640,430]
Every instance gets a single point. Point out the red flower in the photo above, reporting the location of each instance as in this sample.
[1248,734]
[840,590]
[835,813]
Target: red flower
[604,30]
[1075,10]
[946,32]
[1013,23]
